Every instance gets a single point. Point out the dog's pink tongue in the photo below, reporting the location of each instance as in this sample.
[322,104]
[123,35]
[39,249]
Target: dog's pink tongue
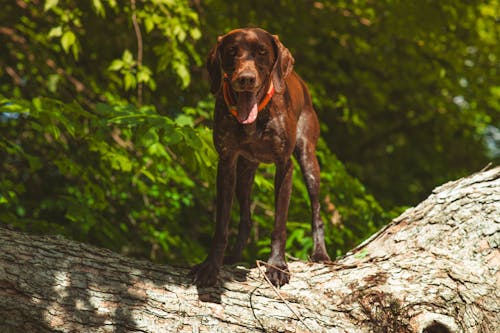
[247,107]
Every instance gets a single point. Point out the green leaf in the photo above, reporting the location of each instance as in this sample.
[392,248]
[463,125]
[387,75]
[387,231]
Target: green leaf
[120,162]
[195,33]
[149,24]
[129,81]
[76,50]
[67,40]
[55,32]
[144,74]
[184,120]
[99,8]
[157,149]
[127,57]
[152,84]
[149,175]
[52,82]
[50,4]
[183,74]
[116,65]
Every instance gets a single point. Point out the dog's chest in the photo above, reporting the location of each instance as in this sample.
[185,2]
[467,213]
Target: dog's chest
[266,142]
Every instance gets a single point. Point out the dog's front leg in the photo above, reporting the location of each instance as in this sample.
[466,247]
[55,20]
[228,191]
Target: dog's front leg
[277,270]
[205,274]
[245,174]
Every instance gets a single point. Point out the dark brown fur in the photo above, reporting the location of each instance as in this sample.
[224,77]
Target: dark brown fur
[288,124]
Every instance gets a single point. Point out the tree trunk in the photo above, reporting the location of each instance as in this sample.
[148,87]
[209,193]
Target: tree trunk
[433,269]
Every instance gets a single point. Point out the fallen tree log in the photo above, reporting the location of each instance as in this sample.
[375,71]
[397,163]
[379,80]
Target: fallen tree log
[433,269]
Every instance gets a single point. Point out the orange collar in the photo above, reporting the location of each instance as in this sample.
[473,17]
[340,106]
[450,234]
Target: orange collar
[231,103]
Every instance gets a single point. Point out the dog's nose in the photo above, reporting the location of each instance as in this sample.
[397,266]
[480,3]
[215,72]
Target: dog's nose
[246,81]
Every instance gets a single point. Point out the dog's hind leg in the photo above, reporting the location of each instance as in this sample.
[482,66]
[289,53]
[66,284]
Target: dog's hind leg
[305,153]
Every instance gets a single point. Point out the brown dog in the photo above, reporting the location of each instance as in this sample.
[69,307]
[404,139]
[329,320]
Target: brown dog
[263,113]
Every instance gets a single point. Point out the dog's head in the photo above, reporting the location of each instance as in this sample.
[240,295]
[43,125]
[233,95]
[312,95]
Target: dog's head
[249,59]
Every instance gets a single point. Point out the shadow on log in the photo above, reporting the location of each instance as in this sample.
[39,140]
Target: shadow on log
[433,269]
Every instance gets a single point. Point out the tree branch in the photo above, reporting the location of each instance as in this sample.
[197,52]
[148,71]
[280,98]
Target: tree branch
[138,35]
[436,268]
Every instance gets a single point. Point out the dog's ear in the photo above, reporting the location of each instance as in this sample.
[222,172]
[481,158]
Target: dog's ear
[283,65]
[214,66]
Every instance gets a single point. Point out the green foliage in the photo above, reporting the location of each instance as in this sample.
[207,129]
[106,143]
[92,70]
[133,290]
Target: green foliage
[105,115]
[118,176]
[90,50]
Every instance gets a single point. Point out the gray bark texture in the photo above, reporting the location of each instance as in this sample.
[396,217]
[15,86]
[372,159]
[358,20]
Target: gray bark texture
[433,269]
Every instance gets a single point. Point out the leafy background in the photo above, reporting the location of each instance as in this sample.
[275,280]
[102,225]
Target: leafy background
[105,115]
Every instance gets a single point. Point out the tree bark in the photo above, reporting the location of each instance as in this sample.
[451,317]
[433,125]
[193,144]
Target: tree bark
[433,269]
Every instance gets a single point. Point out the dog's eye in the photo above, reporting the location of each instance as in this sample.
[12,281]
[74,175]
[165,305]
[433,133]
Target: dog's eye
[232,51]
[262,50]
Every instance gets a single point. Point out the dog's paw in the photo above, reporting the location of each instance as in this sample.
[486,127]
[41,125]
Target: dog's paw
[205,274]
[320,256]
[278,275]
